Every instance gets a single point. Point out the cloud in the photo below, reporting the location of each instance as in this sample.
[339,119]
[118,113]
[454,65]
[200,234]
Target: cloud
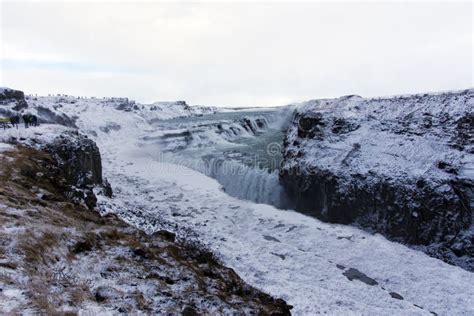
[235,53]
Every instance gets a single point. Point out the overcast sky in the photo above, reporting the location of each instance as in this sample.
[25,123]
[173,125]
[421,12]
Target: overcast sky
[235,54]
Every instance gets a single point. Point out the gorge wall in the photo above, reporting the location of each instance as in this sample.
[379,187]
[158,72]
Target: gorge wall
[401,166]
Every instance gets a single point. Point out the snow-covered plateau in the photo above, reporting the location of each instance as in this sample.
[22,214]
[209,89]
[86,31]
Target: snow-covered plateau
[402,166]
[213,177]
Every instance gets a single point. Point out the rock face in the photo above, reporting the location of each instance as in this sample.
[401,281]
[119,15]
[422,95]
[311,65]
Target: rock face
[401,166]
[7,93]
[11,102]
[80,163]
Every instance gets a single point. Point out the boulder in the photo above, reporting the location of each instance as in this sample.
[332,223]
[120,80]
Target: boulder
[80,158]
[80,163]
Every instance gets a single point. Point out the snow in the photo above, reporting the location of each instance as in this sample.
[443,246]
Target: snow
[283,253]
[390,136]
[5,147]
[3,89]
[42,134]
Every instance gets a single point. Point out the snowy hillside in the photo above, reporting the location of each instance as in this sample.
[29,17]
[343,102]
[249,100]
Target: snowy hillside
[400,136]
[59,256]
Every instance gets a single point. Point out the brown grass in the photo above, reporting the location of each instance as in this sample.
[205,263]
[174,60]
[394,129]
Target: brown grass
[35,249]
[9,265]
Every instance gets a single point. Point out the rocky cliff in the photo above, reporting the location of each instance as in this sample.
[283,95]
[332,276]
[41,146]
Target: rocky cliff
[401,166]
[78,159]
[7,93]
[75,160]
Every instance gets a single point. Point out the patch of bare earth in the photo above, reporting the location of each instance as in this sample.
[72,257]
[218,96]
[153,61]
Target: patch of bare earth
[58,257]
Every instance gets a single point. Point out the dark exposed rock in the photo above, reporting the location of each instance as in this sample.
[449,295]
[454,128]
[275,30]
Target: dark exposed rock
[340,266]
[20,105]
[447,167]
[79,161]
[282,257]
[311,126]
[124,104]
[343,126]
[247,124]
[108,192]
[261,123]
[140,252]
[405,213]
[189,311]
[7,93]
[80,158]
[82,246]
[396,295]
[105,293]
[167,235]
[90,199]
[464,137]
[354,274]
[270,238]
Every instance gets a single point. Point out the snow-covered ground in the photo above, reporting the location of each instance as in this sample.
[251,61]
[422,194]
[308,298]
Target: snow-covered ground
[400,137]
[4,147]
[315,266]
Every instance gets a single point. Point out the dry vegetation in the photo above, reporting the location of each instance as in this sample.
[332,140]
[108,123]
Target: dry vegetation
[58,257]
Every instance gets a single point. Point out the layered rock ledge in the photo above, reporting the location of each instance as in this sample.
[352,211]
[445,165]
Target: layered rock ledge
[401,166]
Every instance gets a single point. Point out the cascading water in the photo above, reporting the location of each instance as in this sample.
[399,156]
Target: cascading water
[250,183]
[240,149]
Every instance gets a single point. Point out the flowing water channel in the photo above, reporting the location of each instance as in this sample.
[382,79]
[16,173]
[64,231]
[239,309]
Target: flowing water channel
[241,149]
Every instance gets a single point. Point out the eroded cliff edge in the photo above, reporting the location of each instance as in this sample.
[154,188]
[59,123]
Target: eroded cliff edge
[400,166]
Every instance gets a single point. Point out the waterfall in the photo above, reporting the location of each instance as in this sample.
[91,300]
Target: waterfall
[246,182]
[237,165]
[237,179]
